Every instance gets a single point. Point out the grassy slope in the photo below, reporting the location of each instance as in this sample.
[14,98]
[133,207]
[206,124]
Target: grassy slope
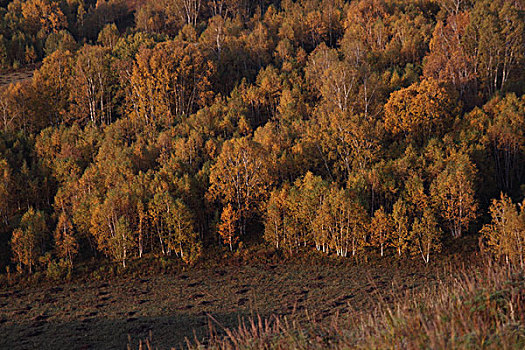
[328,302]
[101,314]
[474,308]
[16,76]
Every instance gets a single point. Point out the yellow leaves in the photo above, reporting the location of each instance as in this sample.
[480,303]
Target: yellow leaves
[426,235]
[380,228]
[480,44]
[90,86]
[400,226]
[448,58]
[15,103]
[453,193]
[241,175]
[66,244]
[169,81]
[227,226]
[27,238]
[43,15]
[111,221]
[416,195]
[5,189]
[505,235]
[23,248]
[508,122]
[275,226]
[422,109]
[345,221]
[499,129]
[109,36]
[312,213]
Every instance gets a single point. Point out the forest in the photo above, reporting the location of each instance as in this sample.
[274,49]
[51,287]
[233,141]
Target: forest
[170,128]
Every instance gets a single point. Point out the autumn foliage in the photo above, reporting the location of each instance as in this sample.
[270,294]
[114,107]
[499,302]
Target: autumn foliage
[172,128]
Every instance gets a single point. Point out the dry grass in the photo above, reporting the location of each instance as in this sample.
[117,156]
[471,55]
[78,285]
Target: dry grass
[323,303]
[19,75]
[101,313]
[475,308]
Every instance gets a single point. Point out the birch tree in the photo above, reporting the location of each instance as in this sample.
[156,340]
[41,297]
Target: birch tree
[426,235]
[241,177]
[453,194]
[505,235]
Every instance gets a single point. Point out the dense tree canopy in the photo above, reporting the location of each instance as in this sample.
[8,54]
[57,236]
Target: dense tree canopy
[172,127]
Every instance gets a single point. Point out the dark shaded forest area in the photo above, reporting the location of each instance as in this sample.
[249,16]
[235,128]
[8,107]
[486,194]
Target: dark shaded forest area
[170,127]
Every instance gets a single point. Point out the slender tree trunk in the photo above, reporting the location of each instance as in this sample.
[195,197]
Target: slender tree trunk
[124,259]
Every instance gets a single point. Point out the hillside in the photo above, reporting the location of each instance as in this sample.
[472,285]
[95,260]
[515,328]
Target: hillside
[178,305]
[146,137]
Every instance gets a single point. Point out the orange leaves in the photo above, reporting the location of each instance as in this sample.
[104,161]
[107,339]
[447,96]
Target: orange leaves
[276,227]
[311,213]
[227,226]
[169,81]
[66,244]
[505,235]
[27,239]
[426,235]
[91,86]
[479,44]
[6,189]
[453,194]
[241,177]
[449,58]
[499,128]
[422,109]
[44,15]
[380,228]
[110,224]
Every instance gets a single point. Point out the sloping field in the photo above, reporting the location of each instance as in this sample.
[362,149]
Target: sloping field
[96,315]
[19,75]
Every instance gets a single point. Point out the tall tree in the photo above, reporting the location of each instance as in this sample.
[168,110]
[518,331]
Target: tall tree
[6,192]
[380,228]
[226,228]
[66,244]
[169,81]
[28,238]
[400,227]
[52,84]
[505,235]
[43,16]
[91,86]
[183,239]
[275,225]
[482,42]
[507,138]
[421,110]
[453,193]
[426,235]
[241,177]
[111,222]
